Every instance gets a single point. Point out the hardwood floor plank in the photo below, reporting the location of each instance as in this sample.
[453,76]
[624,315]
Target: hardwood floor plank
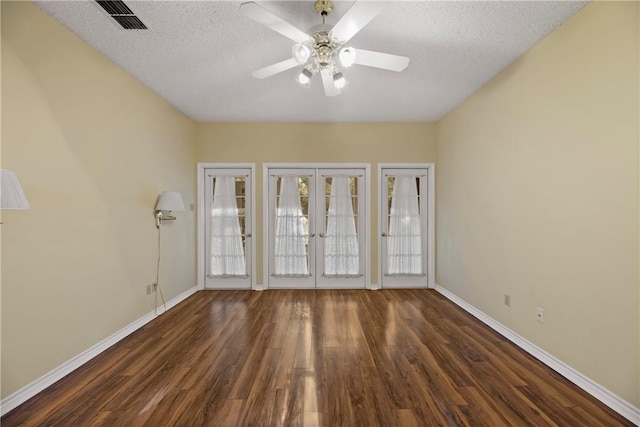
[416,398]
[281,321]
[361,349]
[432,375]
[407,419]
[354,384]
[493,387]
[437,397]
[480,343]
[314,358]
[302,358]
[337,408]
[479,411]
[259,402]
[251,367]
[288,353]
[534,373]
[377,399]
[231,412]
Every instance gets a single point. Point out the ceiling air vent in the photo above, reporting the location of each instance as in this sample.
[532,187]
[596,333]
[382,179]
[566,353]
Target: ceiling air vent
[122,14]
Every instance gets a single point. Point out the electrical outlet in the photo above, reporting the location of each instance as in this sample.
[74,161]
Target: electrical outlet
[507,300]
[155,287]
[148,289]
[540,314]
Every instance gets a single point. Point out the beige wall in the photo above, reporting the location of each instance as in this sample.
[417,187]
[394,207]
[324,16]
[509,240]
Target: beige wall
[537,183]
[261,143]
[93,148]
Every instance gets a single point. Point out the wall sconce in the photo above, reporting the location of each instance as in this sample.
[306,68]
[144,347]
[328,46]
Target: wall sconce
[169,201]
[11,195]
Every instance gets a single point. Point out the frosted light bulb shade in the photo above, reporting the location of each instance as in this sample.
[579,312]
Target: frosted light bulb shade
[347,56]
[170,201]
[304,78]
[301,53]
[11,195]
[339,81]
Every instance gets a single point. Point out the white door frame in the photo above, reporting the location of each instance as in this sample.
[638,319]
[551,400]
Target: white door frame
[201,238]
[431,229]
[266,227]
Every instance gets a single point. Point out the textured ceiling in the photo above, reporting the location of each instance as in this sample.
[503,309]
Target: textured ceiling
[199,55]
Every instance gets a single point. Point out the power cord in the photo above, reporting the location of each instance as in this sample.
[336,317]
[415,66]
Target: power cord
[157,283]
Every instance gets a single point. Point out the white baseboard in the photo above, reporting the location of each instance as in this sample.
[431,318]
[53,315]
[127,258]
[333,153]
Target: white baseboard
[610,399]
[27,392]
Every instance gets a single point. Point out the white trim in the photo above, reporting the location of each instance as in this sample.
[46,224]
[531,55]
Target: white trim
[201,241]
[431,224]
[605,396]
[367,220]
[430,169]
[266,228]
[406,286]
[27,392]
[200,262]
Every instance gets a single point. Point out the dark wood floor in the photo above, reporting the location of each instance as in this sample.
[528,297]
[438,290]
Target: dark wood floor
[314,358]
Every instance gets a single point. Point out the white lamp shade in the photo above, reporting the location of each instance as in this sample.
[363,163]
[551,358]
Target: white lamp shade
[301,53]
[11,194]
[347,56]
[170,201]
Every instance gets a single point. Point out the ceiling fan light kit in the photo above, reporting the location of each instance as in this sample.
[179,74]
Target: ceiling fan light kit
[324,47]
[347,56]
[301,53]
[304,78]
[339,81]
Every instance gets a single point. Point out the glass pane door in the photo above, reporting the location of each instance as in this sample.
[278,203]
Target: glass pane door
[316,218]
[404,243]
[291,224]
[341,197]
[228,247]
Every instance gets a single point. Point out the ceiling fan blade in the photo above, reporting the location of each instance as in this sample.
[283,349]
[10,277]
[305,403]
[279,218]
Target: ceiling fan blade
[327,80]
[385,61]
[275,68]
[277,24]
[359,15]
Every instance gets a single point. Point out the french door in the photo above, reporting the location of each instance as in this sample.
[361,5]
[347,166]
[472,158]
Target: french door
[228,227]
[406,225]
[316,224]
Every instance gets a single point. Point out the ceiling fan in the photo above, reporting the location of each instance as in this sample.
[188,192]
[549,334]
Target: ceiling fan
[323,47]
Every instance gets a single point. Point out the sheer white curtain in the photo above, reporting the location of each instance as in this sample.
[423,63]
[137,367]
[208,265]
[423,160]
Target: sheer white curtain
[227,250]
[404,241]
[290,255]
[341,252]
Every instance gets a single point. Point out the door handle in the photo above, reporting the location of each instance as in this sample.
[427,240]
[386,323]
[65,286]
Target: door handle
[249,235]
[384,234]
[322,235]
[312,235]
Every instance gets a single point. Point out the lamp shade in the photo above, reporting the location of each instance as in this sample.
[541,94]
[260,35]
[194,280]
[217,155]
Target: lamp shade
[170,201]
[11,194]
